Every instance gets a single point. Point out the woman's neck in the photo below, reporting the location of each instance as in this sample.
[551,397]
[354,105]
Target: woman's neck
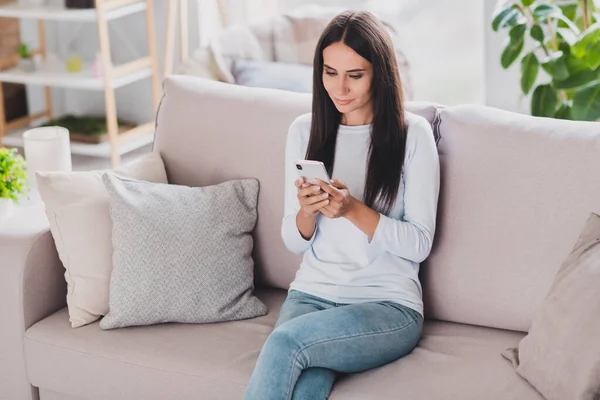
[357,118]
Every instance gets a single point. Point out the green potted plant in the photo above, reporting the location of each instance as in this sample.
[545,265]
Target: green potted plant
[26,62]
[561,38]
[13,179]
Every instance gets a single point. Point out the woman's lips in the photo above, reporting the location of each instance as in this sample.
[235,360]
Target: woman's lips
[342,102]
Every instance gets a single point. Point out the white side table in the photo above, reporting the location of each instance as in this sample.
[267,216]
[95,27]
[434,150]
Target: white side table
[25,206]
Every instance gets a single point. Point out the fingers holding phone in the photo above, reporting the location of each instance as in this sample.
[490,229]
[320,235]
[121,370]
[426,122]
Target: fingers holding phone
[310,197]
[341,199]
[301,184]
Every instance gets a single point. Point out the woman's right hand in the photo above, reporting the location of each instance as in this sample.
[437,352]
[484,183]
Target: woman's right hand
[311,197]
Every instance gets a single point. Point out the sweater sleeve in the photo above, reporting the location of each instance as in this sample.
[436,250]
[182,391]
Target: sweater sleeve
[293,151]
[411,236]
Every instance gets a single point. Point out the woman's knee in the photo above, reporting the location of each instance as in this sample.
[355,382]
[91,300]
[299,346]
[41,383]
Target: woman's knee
[285,343]
[283,338]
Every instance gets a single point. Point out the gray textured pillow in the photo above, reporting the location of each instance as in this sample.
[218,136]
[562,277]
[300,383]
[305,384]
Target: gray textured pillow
[181,254]
[560,356]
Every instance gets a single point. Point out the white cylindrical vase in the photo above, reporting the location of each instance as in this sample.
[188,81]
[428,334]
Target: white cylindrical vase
[46,148]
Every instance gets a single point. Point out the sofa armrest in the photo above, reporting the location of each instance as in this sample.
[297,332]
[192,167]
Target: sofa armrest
[32,286]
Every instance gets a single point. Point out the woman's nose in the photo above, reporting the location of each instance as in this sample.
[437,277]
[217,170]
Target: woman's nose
[342,87]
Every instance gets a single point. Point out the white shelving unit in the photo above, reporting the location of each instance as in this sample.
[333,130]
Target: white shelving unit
[53,73]
[57,13]
[15,139]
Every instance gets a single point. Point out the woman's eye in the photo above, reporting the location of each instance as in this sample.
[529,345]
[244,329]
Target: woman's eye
[330,73]
[355,76]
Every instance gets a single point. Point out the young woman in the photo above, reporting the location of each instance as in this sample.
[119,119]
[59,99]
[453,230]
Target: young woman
[356,301]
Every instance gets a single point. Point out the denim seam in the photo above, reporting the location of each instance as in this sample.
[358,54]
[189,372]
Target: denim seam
[294,358]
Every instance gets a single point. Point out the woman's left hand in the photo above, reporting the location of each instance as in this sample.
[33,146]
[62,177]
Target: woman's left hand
[340,199]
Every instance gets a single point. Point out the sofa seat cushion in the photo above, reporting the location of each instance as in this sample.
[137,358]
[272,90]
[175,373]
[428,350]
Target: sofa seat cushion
[451,361]
[214,361]
[166,361]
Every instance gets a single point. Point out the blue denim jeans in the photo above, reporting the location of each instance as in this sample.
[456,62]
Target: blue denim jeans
[301,356]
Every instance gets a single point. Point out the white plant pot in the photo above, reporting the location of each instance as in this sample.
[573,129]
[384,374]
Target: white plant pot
[6,208]
[27,64]
[47,148]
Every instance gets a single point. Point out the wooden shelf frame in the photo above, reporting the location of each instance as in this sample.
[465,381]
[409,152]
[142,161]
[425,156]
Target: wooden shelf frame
[49,75]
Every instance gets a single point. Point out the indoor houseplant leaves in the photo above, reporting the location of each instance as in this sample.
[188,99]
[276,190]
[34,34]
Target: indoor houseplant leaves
[13,178]
[564,38]
[26,61]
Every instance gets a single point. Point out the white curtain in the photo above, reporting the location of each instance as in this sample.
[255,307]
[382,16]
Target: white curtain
[209,20]
[257,10]
[214,15]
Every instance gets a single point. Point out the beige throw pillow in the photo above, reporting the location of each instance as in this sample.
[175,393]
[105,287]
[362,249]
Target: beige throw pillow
[77,209]
[560,356]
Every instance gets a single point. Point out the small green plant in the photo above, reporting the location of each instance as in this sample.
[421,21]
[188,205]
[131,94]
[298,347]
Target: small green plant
[23,51]
[565,40]
[13,175]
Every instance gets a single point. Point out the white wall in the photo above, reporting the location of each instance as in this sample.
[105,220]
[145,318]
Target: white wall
[444,44]
[443,41]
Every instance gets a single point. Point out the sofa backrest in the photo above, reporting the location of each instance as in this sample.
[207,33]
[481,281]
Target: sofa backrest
[208,132]
[516,191]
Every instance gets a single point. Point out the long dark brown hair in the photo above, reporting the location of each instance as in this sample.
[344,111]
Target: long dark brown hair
[367,36]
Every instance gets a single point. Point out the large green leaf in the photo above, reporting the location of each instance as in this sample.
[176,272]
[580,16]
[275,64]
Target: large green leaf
[543,11]
[506,17]
[590,37]
[514,47]
[563,112]
[576,65]
[527,3]
[579,79]
[593,56]
[557,68]
[544,101]
[517,33]
[586,103]
[537,33]
[569,10]
[529,71]
[565,48]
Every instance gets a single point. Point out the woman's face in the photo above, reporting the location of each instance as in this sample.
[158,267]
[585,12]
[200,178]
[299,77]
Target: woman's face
[347,79]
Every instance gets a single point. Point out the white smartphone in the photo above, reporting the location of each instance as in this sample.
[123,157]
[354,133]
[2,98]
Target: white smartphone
[310,170]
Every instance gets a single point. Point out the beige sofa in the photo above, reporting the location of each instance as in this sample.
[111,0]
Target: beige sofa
[516,191]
